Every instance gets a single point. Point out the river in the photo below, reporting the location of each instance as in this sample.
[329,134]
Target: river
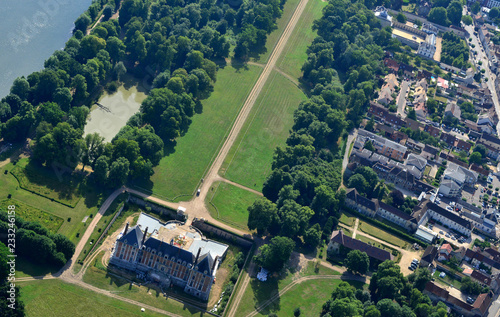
[30,31]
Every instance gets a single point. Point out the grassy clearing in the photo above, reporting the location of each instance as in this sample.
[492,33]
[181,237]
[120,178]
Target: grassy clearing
[347,219]
[294,55]
[382,235]
[258,292]
[74,228]
[45,182]
[181,170]
[447,280]
[144,294]
[231,204]
[249,160]
[30,213]
[56,298]
[272,39]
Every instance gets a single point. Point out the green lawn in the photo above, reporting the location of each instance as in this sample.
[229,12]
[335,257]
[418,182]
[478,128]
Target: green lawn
[272,39]
[55,298]
[382,235]
[88,204]
[101,279]
[180,172]
[231,204]
[294,54]
[304,295]
[30,213]
[249,160]
[447,280]
[347,219]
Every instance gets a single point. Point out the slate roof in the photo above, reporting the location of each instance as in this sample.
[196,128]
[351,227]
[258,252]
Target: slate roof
[453,217]
[353,244]
[430,253]
[395,211]
[417,161]
[360,200]
[481,277]
[132,237]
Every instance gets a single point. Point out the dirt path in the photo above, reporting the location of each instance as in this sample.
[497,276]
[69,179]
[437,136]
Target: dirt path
[355,231]
[352,136]
[225,180]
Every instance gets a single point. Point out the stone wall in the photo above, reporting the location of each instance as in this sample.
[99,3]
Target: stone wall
[207,227]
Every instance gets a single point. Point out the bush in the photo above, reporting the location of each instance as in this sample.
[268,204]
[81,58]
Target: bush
[112,87]
[9,196]
[5,172]
[69,219]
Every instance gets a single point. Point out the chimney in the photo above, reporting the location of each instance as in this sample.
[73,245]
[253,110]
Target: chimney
[126,229]
[144,236]
[197,256]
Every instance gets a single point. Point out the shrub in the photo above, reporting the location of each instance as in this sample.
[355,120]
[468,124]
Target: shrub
[69,219]
[9,196]
[5,172]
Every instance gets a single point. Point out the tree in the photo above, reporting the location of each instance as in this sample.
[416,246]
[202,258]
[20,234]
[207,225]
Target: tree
[4,267]
[64,245]
[475,157]
[480,149]
[467,20]
[357,262]
[387,307]
[422,277]
[454,12]
[398,199]
[20,87]
[274,255]
[387,281]
[94,147]
[494,13]
[475,7]
[101,169]
[471,287]
[118,173]
[439,15]
[261,214]
[82,23]
[296,312]
[359,182]
[62,96]
[401,18]
[312,236]
[80,85]
[119,70]
[115,48]
[412,114]
[107,12]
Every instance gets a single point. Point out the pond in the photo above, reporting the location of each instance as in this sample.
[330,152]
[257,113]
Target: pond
[112,111]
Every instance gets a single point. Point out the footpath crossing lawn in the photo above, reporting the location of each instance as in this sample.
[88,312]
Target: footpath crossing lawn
[181,170]
[249,160]
[58,299]
[382,235]
[294,55]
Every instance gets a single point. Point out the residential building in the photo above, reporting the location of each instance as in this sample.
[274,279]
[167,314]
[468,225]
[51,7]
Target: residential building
[453,110]
[491,143]
[432,130]
[428,210]
[339,240]
[420,110]
[428,48]
[449,139]
[392,65]
[382,114]
[384,17]
[462,145]
[388,89]
[429,255]
[361,204]
[478,308]
[450,188]
[460,174]
[416,160]
[444,252]
[171,254]
[384,146]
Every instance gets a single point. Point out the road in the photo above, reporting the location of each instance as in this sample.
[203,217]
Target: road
[402,98]
[350,138]
[481,56]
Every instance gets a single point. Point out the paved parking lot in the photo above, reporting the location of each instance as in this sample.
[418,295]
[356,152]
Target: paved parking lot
[442,231]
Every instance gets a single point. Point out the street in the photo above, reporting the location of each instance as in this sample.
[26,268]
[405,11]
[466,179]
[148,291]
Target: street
[402,98]
[481,56]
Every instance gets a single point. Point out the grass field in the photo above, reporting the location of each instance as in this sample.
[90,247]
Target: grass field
[180,171]
[382,235]
[294,54]
[89,204]
[447,280]
[63,188]
[230,203]
[30,213]
[347,219]
[249,160]
[272,39]
[58,299]
[304,295]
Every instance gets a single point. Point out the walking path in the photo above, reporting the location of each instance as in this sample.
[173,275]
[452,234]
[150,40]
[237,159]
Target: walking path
[352,136]
[355,228]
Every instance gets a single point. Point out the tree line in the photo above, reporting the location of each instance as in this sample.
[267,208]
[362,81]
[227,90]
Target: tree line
[35,243]
[172,44]
[301,198]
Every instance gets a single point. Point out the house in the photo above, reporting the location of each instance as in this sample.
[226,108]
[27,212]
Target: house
[170,254]
[388,89]
[429,255]
[392,65]
[430,152]
[432,130]
[362,204]
[414,145]
[428,47]
[396,216]
[448,138]
[423,10]
[445,252]
[478,308]
[412,124]
[479,169]
[401,177]
[462,145]
[422,73]
[416,160]
[382,15]
[460,174]
[453,110]
[384,146]
[339,240]
[472,126]
[382,114]
[420,110]
[491,143]
[450,188]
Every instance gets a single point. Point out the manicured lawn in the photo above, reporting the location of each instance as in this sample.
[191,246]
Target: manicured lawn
[48,182]
[447,280]
[258,292]
[347,219]
[30,213]
[56,298]
[101,279]
[249,160]
[88,204]
[382,235]
[181,170]
[231,204]
[294,54]
[275,35]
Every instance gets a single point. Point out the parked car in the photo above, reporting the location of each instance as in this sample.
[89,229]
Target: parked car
[447,235]
[441,232]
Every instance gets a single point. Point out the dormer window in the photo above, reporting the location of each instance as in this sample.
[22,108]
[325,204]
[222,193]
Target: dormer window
[149,249]
[154,252]
[173,258]
[159,253]
[135,245]
[166,257]
[125,241]
[205,272]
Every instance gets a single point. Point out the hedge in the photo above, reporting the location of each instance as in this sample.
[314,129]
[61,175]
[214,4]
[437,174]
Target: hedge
[381,225]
